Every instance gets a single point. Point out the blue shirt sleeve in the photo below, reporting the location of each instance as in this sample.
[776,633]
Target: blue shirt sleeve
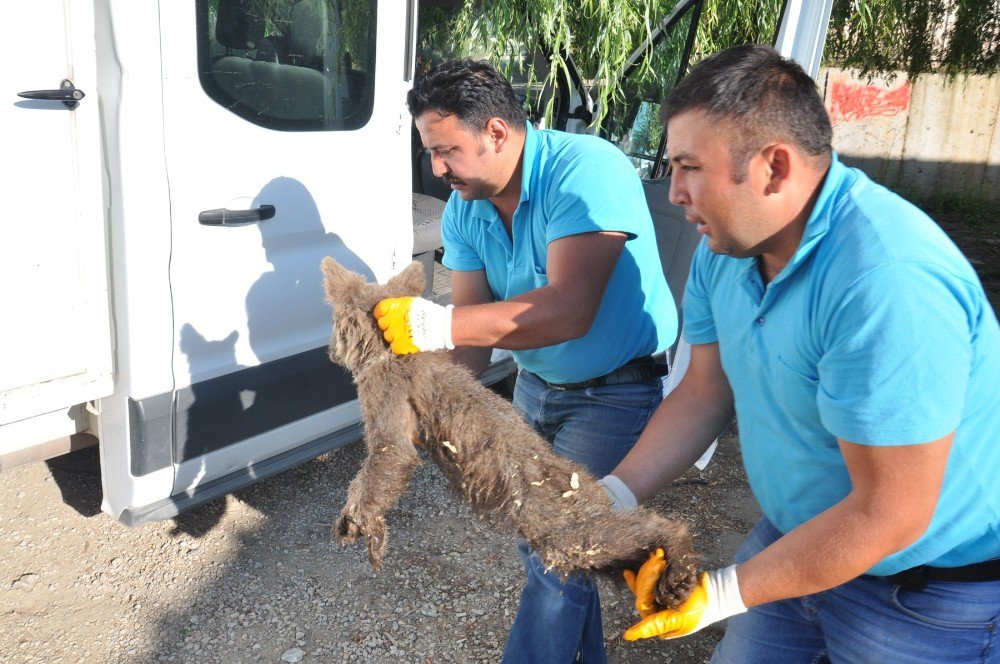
[595,190]
[459,253]
[699,325]
[897,356]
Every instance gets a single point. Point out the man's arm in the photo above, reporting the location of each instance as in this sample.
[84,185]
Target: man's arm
[471,288]
[682,428]
[578,269]
[892,499]
[893,496]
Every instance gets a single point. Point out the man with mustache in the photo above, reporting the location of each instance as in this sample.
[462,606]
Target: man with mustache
[553,255]
[860,355]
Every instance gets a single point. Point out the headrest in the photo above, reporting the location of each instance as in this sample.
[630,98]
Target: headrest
[237,27]
[308,32]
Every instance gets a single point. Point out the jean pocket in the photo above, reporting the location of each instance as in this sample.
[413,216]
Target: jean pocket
[951,604]
[628,395]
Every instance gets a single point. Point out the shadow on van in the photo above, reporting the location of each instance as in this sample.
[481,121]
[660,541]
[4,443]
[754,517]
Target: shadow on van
[287,326]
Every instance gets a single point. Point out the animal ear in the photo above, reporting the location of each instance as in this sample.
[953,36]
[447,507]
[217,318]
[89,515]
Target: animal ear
[338,280]
[408,282]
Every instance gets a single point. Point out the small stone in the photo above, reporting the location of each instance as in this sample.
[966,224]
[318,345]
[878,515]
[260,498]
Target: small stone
[293,655]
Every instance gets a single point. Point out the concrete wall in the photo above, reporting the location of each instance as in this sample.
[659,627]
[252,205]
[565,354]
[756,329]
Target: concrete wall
[924,137]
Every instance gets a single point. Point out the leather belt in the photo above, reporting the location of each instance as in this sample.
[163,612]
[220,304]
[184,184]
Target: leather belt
[916,578]
[636,370]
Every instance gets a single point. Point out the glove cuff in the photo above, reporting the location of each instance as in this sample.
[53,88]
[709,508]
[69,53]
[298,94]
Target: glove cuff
[622,498]
[429,325]
[448,343]
[725,589]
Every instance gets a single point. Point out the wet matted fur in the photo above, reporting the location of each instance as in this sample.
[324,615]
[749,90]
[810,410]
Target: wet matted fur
[490,455]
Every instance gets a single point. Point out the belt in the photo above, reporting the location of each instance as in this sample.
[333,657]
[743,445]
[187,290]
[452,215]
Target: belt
[633,371]
[916,578]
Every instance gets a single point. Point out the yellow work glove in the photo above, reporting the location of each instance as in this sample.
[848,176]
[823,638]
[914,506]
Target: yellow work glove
[413,324]
[716,597]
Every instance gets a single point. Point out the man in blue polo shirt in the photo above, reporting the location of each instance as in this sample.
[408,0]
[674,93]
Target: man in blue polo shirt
[861,357]
[554,257]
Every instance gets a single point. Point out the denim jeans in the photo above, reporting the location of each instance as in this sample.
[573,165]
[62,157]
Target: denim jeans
[867,620]
[560,622]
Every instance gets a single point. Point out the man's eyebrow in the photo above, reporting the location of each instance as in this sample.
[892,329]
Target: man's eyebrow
[681,156]
[438,147]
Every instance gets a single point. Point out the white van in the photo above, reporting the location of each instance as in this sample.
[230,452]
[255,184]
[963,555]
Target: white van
[174,173]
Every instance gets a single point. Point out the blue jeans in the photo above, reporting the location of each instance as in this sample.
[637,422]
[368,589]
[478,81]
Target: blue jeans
[560,622]
[867,620]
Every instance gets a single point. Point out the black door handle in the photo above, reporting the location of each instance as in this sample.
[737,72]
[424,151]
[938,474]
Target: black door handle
[67,94]
[224,217]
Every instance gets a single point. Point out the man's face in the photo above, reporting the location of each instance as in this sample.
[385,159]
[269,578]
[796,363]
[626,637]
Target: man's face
[733,215]
[460,156]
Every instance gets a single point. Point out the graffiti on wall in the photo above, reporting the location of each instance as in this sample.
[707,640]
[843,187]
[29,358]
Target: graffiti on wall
[855,101]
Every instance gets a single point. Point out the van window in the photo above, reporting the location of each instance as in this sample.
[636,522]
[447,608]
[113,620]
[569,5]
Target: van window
[293,65]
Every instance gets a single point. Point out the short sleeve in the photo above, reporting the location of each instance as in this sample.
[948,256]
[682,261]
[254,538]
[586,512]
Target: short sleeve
[459,252]
[596,190]
[897,356]
[699,325]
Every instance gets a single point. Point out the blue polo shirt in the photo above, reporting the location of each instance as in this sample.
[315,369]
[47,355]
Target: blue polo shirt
[571,184]
[877,332]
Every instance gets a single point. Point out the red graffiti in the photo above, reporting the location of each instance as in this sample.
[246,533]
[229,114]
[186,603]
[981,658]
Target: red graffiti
[853,101]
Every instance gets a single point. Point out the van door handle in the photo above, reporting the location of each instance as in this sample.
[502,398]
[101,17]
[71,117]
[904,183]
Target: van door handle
[67,94]
[224,217]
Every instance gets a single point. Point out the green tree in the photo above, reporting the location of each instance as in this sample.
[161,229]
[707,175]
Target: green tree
[876,36]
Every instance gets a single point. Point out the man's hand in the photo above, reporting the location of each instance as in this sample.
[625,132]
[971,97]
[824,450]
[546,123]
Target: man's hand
[414,325]
[717,596]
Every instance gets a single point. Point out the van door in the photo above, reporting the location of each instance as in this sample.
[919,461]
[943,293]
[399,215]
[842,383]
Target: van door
[286,140]
[55,343]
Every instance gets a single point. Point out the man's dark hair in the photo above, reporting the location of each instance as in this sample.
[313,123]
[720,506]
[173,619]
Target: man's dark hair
[471,90]
[762,96]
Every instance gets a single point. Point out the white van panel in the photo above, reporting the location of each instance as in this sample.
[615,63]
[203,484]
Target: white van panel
[55,343]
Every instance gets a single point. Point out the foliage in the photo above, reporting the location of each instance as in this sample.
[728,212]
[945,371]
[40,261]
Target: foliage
[916,36]
[599,35]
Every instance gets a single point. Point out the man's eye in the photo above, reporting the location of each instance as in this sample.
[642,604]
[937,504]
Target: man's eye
[688,169]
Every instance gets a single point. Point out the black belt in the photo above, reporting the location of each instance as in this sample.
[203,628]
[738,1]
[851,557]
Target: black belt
[634,371]
[916,578]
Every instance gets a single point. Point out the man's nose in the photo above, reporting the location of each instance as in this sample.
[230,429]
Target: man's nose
[438,166]
[678,194]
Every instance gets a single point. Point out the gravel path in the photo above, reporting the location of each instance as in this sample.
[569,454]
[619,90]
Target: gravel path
[255,577]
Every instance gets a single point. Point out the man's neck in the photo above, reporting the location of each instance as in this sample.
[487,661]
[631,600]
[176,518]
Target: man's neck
[786,241]
[507,199]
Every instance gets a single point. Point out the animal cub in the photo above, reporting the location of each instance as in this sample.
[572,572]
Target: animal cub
[491,457]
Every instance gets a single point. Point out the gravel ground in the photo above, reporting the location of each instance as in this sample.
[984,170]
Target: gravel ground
[255,577]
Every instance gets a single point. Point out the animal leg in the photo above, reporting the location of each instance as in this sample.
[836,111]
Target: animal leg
[384,476]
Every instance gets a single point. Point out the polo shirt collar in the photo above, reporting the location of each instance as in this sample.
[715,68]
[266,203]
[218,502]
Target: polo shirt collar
[532,141]
[837,178]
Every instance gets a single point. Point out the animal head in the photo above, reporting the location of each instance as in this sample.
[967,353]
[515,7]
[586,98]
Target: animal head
[357,341]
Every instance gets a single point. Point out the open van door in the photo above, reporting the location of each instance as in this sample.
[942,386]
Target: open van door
[286,139]
[55,342]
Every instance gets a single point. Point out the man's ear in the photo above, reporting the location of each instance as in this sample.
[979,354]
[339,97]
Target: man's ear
[497,131]
[778,159]
[408,282]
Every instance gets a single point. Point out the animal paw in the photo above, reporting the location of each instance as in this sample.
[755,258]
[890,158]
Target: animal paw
[353,524]
[346,529]
[677,581]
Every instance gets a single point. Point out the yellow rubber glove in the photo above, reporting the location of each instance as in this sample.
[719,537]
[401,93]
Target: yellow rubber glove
[716,597]
[413,324]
